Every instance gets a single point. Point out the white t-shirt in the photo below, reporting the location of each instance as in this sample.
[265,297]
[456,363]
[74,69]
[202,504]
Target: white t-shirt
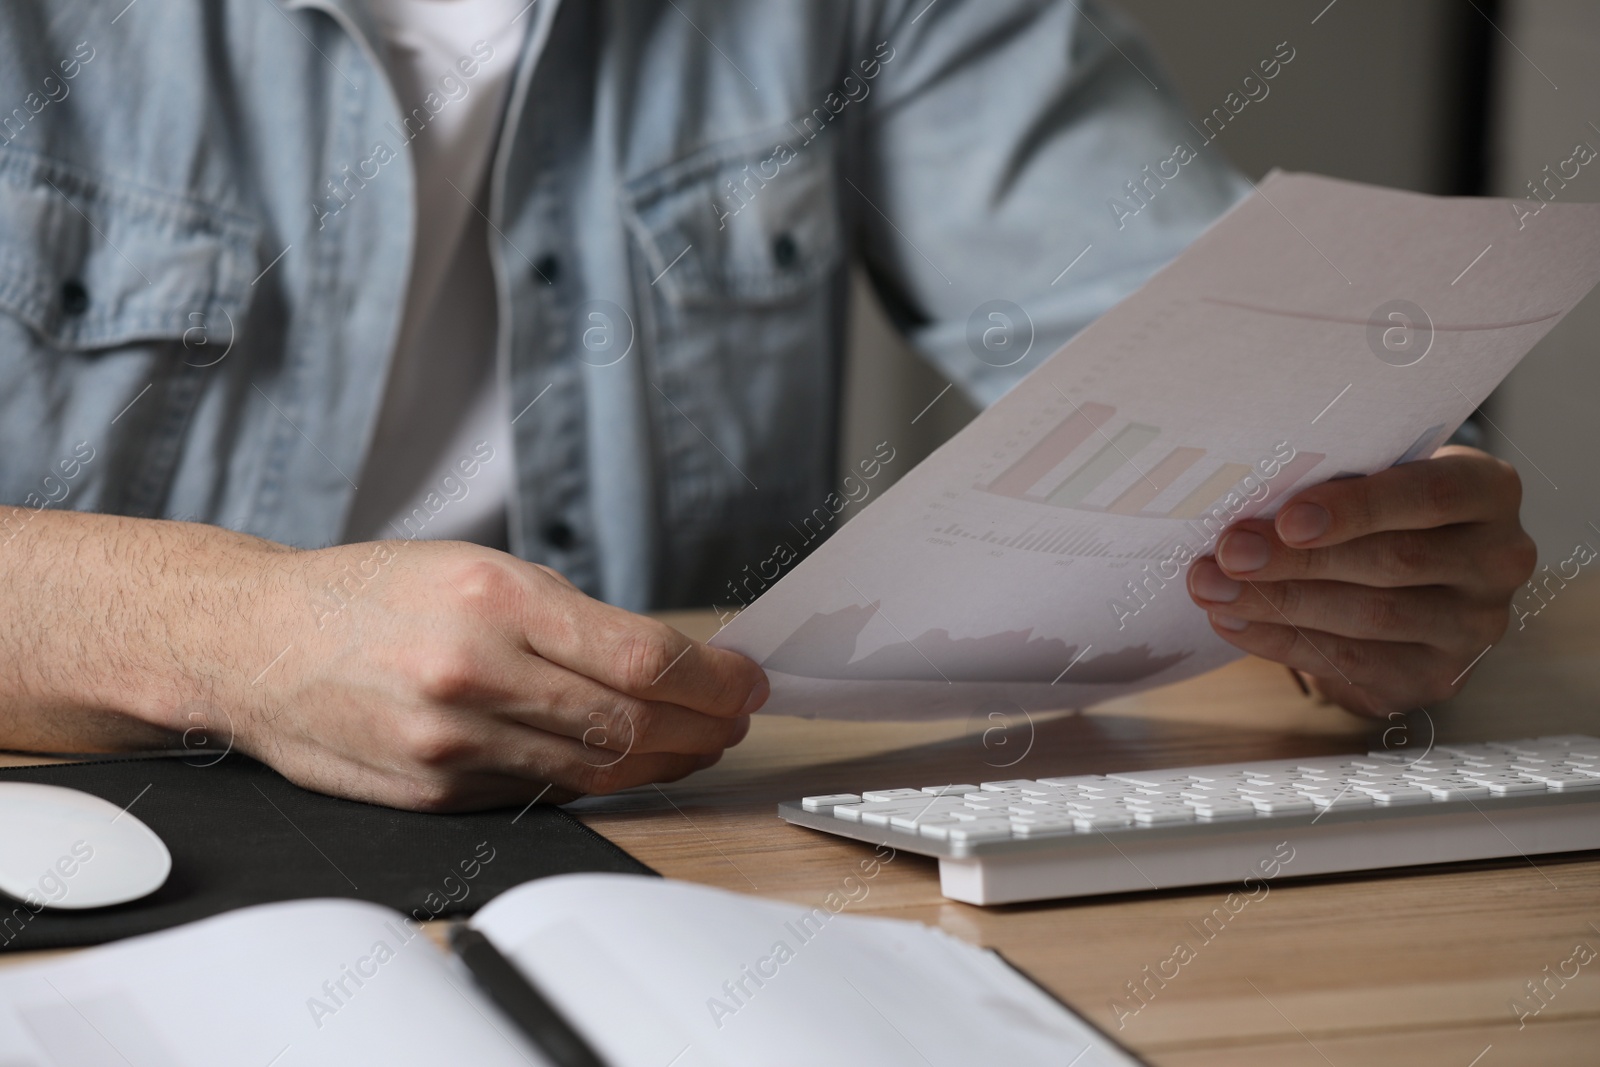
[440,465]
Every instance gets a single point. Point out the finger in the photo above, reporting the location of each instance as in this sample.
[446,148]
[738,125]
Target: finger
[550,771]
[1369,676]
[1455,485]
[570,766]
[557,575]
[1429,615]
[527,689]
[639,656]
[1482,560]
[603,719]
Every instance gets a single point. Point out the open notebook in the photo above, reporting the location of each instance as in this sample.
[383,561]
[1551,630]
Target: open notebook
[651,973]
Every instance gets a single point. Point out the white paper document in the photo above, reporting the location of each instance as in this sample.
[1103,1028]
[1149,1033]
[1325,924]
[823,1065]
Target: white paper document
[1037,560]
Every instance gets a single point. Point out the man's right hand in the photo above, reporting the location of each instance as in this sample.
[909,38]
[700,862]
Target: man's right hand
[427,675]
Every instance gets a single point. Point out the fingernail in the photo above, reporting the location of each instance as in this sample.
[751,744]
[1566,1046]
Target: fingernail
[1228,622]
[758,696]
[1299,523]
[1242,551]
[1207,582]
[740,729]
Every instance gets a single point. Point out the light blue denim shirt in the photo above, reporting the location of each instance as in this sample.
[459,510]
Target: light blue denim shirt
[206,221]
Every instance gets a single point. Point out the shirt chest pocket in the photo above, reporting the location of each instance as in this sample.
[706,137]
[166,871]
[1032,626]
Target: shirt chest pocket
[117,305]
[738,272]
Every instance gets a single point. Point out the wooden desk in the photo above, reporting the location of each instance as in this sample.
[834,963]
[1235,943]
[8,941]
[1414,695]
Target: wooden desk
[1413,968]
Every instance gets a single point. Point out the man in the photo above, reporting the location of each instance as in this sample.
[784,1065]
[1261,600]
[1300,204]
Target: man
[564,279]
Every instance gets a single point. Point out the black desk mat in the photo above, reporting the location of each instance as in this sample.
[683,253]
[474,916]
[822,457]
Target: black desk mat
[242,834]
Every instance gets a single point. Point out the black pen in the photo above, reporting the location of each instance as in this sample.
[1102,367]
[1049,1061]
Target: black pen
[517,996]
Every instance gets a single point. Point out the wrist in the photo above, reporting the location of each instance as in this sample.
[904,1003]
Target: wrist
[186,655]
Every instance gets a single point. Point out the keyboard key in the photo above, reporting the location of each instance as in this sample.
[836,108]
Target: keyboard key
[860,812]
[1543,773]
[1502,784]
[1571,783]
[1340,801]
[1329,766]
[1220,779]
[890,794]
[1157,804]
[1114,795]
[949,790]
[1227,810]
[1283,805]
[1074,781]
[1448,781]
[1041,811]
[983,830]
[1269,793]
[1514,788]
[1150,778]
[913,821]
[1397,794]
[1103,821]
[1164,815]
[823,803]
[1374,777]
[1455,792]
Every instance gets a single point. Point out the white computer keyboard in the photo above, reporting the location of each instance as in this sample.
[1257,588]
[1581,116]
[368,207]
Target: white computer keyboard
[1030,839]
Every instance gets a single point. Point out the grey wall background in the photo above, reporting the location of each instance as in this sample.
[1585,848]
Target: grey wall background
[1438,96]
[1548,412]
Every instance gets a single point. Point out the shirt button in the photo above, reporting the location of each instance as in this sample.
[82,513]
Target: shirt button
[546,269]
[784,251]
[74,297]
[559,536]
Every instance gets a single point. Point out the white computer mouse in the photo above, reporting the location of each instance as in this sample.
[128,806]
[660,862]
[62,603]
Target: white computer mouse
[63,848]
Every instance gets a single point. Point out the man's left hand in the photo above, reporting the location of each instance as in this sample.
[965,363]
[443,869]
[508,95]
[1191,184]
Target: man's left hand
[1384,589]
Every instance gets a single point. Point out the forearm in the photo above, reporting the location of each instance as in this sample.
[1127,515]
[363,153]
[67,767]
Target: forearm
[110,627]
[432,674]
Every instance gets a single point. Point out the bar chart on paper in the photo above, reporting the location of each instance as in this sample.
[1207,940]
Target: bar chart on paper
[1086,461]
